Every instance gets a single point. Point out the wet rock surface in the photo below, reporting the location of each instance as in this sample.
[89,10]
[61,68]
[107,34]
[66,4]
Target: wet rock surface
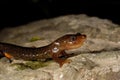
[97,59]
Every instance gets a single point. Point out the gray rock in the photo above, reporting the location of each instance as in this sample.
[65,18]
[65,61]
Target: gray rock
[97,59]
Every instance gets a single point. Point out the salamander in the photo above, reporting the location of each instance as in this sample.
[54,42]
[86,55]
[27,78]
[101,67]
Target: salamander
[54,50]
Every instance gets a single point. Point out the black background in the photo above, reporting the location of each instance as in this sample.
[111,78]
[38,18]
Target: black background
[18,12]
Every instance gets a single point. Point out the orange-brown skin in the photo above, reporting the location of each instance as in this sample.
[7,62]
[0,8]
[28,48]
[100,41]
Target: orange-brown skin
[54,50]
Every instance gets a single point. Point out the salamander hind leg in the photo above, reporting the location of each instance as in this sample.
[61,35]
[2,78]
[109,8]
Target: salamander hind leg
[10,57]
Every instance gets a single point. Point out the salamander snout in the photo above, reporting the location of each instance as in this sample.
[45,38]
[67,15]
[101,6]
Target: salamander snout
[83,36]
[79,34]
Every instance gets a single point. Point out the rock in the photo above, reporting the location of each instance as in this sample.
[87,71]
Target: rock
[97,59]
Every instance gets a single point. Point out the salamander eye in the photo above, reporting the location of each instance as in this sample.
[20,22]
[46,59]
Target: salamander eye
[73,38]
[78,34]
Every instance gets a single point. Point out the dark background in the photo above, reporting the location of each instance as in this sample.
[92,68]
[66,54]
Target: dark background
[18,12]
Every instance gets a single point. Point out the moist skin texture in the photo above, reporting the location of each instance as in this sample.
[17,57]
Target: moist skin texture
[54,50]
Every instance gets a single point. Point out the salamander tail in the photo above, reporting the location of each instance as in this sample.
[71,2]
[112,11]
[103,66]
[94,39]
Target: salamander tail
[1,54]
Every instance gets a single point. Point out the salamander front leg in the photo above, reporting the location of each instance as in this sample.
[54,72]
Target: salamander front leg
[60,61]
[66,55]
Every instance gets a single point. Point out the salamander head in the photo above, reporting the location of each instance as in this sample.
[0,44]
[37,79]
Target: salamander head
[70,41]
